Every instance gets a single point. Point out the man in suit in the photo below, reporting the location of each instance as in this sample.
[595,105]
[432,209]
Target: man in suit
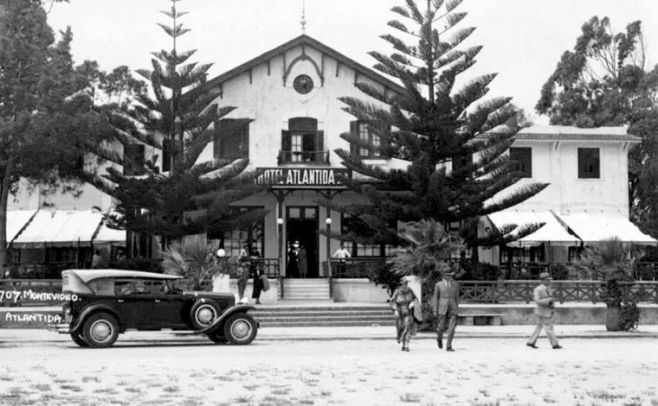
[445,304]
[544,310]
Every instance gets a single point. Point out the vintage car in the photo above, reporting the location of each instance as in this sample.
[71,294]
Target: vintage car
[106,302]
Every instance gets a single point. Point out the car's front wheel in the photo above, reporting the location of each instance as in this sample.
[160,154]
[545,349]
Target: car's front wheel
[240,329]
[79,339]
[101,330]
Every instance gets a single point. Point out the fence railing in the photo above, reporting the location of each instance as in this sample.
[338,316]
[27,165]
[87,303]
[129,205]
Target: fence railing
[355,267]
[318,157]
[505,291]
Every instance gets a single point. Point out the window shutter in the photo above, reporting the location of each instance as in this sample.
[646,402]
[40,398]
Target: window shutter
[354,131]
[286,146]
[244,137]
[319,145]
[166,155]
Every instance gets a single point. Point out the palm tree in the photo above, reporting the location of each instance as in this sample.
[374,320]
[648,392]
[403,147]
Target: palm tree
[194,260]
[611,261]
[429,251]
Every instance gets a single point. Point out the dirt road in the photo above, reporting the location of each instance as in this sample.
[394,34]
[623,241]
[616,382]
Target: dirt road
[342,372]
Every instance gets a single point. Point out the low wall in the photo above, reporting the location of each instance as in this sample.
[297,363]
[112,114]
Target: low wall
[566,313]
[358,291]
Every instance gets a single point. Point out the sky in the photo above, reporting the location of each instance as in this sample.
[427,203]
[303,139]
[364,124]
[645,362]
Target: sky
[522,39]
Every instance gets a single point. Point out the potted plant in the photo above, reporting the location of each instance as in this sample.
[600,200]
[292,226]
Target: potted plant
[195,259]
[611,261]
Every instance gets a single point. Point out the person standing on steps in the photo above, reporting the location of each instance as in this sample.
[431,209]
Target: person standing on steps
[544,311]
[302,263]
[342,254]
[402,303]
[445,305]
[256,272]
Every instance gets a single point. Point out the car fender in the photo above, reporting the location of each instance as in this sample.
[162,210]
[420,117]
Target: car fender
[220,320]
[90,310]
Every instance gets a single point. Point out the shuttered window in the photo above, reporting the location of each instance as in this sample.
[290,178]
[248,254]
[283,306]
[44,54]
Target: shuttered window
[231,139]
[521,161]
[367,136]
[588,163]
[133,160]
[302,142]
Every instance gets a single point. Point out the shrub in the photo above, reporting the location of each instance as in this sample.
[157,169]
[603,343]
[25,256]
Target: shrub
[612,262]
[384,276]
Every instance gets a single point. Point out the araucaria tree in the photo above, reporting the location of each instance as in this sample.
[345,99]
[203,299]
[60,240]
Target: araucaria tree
[187,197]
[603,82]
[453,143]
[47,116]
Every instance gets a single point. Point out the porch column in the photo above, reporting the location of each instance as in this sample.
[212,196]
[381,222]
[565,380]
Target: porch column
[279,230]
[328,222]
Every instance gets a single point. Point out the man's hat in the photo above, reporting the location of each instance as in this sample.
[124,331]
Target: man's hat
[545,275]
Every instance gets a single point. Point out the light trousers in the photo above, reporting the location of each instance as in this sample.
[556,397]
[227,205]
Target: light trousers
[545,322]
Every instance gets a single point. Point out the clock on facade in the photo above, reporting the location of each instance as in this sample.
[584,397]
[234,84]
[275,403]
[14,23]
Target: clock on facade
[303,84]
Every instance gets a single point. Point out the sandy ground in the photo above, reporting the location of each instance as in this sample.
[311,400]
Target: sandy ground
[621,371]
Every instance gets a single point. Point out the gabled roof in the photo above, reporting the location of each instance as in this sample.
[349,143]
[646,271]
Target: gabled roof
[559,132]
[301,40]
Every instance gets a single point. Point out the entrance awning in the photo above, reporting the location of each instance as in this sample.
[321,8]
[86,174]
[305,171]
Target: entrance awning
[16,221]
[107,235]
[596,227]
[60,228]
[551,232]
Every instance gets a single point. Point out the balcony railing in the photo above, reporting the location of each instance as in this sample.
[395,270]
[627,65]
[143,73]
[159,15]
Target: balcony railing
[267,266]
[310,157]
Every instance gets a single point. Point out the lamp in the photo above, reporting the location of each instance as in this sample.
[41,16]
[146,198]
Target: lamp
[328,221]
[279,221]
[221,253]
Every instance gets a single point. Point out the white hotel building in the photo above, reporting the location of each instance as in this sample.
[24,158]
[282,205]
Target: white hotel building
[287,99]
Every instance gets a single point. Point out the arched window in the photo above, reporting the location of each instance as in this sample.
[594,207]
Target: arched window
[302,142]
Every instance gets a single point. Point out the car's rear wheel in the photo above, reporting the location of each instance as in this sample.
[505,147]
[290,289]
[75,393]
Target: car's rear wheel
[204,313]
[101,330]
[240,329]
[79,339]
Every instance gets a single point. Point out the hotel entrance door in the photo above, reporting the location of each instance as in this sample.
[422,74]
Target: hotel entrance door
[302,242]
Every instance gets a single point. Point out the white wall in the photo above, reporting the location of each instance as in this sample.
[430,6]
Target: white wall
[557,163]
[271,103]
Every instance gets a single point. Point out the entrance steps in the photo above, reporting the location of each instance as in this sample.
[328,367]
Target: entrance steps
[296,314]
[312,289]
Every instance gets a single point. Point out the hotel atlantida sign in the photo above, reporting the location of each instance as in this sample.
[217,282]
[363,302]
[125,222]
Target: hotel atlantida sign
[302,177]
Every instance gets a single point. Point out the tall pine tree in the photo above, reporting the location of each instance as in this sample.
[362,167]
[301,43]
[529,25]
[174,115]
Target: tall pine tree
[454,148]
[187,197]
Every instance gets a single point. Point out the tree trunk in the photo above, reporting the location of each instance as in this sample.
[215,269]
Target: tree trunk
[4,199]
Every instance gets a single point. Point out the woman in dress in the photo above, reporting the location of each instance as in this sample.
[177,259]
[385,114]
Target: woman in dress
[401,302]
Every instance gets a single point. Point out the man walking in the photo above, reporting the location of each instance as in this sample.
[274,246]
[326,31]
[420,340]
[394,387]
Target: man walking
[445,304]
[544,310]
